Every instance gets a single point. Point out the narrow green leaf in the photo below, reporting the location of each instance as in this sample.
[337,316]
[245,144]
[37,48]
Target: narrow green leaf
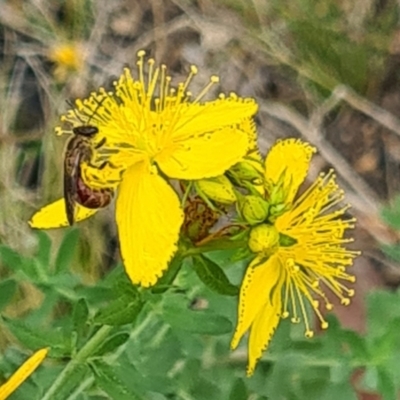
[111,383]
[112,344]
[80,316]
[165,282]
[121,311]
[67,250]
[44,247]
[213,276]
[386,385]
[7,290]
[200,321]
[239,390]
[343,390]
[33,337]
[10,258]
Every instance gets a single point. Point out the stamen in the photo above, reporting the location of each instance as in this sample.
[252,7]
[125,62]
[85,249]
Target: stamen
[213,80]
[163,88]
[192,73]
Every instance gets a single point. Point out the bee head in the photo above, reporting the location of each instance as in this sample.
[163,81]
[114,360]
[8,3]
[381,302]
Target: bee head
[85,130]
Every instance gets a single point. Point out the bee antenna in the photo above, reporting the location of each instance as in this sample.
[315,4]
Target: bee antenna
[99,103]
[69,102]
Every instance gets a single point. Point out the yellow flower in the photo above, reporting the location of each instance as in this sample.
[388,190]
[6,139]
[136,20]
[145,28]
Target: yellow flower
[22,373]
[153,132]
[68,57]
[282,279]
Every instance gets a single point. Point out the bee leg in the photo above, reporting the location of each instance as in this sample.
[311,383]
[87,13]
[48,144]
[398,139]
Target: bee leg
[101,143]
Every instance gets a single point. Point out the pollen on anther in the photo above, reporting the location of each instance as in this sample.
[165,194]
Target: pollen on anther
[193,69]
[324,325]
[309,334]
[214,79]
[345,301]
[141,53]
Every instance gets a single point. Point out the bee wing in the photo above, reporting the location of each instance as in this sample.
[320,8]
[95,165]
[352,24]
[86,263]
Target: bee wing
[72,161]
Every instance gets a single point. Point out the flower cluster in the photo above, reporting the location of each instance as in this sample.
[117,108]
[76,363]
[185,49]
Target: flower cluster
[147,132]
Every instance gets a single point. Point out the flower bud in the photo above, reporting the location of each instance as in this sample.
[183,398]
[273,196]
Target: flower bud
[247,170]
[264,239]
[254,209]
[218,189]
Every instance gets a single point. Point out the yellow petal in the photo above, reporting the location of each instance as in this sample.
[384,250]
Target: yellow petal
[22,373]
[264,325]
[259,284]
[211,116]
[289,158]
[54,216]
[204,156]
[149,218]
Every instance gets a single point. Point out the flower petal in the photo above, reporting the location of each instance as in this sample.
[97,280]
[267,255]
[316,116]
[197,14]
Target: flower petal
[213,115]
[258,286]
[290,159]
[54,216]
[22,373]
[204,156]
[149,218]
[264,325]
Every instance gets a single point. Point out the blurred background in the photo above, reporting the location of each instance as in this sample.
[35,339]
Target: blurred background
[327,72]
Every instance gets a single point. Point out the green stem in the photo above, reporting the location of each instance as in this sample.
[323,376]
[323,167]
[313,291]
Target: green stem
[86,351]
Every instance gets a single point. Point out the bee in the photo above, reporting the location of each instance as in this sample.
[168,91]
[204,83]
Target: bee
[79,149]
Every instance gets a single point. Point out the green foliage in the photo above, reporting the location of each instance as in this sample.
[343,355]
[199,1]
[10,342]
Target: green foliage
[140,344]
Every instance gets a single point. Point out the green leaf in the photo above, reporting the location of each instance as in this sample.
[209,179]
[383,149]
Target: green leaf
[111,383]
[200,321]
[122,310]
[80,316]
[386,385]
[34,338]
[7,290]
[10,258]
[44,247]
[339,391]
[112,344]
[165,282]
[213,276]
[67,250]
[239,390]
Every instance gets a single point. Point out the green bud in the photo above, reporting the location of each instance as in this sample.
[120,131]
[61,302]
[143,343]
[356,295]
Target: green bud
[264,239]
[246,170]
[218,189]
[254,209]
[276,210]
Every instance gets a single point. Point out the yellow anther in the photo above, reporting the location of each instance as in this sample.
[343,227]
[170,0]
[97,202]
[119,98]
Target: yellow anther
[345,301]
[309,334]
[324,325]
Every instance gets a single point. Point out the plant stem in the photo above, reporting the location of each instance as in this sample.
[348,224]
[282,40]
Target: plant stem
[86,351]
